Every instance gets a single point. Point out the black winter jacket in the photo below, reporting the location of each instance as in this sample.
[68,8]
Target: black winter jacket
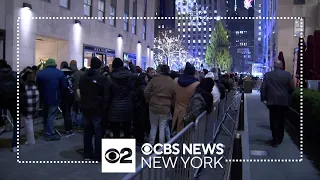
[121,106]
[94,93]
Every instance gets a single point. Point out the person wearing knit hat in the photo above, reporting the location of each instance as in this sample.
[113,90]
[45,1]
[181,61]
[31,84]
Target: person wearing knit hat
[51,82]
[95,63]
[94,96]
[50,62]
[185,87]
[121,107]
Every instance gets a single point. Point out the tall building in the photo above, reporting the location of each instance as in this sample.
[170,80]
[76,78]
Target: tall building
[265,33]
[164,8]
[76,30]
[196,36]
[241,33]
[289,31]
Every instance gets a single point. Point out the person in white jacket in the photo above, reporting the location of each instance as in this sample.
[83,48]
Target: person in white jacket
[215,90]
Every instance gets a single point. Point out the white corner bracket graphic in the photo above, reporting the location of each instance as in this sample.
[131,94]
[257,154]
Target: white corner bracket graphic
[18,28]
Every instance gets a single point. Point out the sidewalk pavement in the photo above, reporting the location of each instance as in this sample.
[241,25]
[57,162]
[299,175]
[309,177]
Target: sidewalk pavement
[258,129]
[67,149]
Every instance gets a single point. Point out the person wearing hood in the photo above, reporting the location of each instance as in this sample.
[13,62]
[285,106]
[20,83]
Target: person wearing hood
[185,87]
[201,100]
[51,83]
[67,98]
[215,90]
[121,109]
[141,122]
[76,113]
[159,95]
[8,97]
[94,97]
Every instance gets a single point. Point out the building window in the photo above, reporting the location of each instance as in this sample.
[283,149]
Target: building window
[126,16]
[87,7]
[101,5]
[144,31]
[134,20]
[299,2]
[46,1]
[65,4]
[113,9]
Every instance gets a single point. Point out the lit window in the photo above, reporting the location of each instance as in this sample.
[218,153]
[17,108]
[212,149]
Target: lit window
[159,26]
[194,41]
[209,35]
[184,24]
[101,4]
[259,38]
[184,30]
[204,41]
[209,29]
[178,24]
[87,7]
[188,35]
[179,29]
[215,11]
[199,41]
[259,33]
[194,29]
[162,26]
[204,29]
[65,3]
[189,41]
[259,11]
[184,35]
[189,29]
[259,27]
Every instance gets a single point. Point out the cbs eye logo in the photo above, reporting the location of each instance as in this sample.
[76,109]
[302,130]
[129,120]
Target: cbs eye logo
[113,155]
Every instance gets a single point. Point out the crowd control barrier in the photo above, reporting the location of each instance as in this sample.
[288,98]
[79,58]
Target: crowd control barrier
[207,128]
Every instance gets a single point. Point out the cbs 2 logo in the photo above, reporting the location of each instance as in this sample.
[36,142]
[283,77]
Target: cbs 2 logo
[113,155]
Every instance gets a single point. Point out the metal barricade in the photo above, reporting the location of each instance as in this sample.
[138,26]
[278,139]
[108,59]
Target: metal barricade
[206,129]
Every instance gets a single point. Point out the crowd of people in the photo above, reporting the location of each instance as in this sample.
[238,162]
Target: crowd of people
[121,102]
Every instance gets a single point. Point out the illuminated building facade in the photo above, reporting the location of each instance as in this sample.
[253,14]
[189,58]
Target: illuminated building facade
[196,35]
[79,39]
[241,35]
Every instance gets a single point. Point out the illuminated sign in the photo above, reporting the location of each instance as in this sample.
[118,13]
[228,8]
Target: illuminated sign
[248,4]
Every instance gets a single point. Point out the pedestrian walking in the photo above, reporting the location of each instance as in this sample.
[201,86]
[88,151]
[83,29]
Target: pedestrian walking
[276,91]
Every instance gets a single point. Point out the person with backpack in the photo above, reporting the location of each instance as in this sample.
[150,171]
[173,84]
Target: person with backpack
[121,109]
[94,97]
[51,83]
[8,96]
[29,103]
[76,110]
[67,98]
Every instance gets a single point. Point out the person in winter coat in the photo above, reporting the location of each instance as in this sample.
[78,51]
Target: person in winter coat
[201,100]
[51,83]
[76,113]
[94,94]
[159,95]
[141,122]
[29,104]
[185,87]
[67,98]
[8,96]
[215,90]
[121,108]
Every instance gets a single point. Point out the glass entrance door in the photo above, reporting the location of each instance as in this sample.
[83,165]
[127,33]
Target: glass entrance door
[102,58]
